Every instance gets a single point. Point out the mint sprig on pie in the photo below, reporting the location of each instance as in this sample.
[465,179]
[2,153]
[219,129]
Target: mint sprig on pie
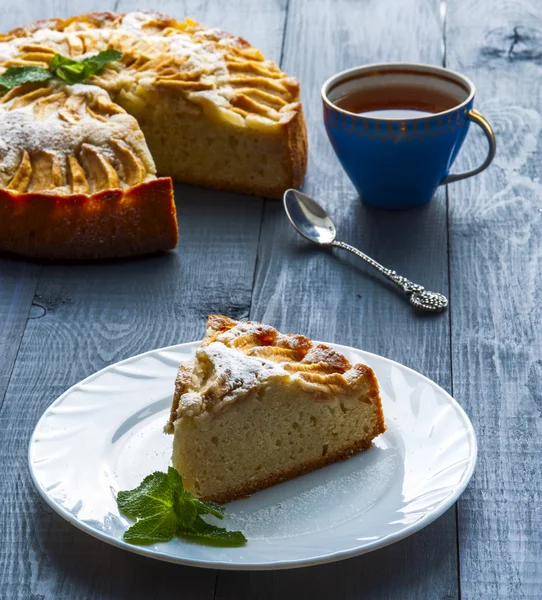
[69,70]
[72,71]
[16,76]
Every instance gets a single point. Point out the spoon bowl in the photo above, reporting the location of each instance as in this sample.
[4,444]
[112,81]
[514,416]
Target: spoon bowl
[309,218]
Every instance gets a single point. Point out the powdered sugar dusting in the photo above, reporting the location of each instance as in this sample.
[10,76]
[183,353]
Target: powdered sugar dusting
[250,329]
[325,354]
[235,374]
[235,361]
[293,342]
[191,404]
[320,500]
[199,51]
[37,128]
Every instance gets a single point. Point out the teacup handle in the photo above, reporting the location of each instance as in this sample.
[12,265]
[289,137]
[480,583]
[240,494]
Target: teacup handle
[480,120]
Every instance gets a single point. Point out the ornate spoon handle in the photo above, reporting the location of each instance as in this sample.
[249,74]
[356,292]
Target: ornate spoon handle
[418,296]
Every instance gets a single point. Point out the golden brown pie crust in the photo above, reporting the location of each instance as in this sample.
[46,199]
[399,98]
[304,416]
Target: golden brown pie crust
[113,223]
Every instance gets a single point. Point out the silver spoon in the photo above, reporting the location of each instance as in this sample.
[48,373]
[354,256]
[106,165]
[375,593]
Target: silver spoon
[313,223]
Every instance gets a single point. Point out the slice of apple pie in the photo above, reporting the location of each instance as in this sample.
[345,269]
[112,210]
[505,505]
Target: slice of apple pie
[256,407]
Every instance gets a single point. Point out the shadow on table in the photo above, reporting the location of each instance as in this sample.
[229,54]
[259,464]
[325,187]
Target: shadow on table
[411,242]
[403,240]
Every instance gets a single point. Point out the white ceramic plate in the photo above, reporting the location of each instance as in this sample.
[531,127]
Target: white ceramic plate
[105,434]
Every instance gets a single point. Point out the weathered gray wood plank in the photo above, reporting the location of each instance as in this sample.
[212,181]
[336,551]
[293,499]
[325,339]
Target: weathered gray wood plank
[95,314]
[331,297]
[18,282]
[496,279]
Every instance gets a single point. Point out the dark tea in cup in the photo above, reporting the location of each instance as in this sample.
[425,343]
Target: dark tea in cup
[395,101]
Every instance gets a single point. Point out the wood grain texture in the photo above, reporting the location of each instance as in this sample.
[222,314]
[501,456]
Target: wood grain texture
[18,281]
[94,314]
[496,279]
[300,288]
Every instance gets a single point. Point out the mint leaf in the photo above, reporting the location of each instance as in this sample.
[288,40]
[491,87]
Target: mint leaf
[203,531]
[185,509]
[72,74]
[153,496]
[150,530]
[59,60]
[164,508]
[209,508]
[99,61]
[185,503]
[73,71]
[15,76]
[174,479]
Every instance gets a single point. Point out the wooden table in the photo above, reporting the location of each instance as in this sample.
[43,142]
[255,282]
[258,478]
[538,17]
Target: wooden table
[478,241]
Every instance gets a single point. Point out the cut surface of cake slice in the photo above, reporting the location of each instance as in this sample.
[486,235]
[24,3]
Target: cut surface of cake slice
[256,407]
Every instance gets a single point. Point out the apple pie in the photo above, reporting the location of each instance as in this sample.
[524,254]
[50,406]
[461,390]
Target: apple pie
[79,164]
[256,407]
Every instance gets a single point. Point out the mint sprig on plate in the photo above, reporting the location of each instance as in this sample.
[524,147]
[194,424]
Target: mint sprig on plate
[67,69]
[164,509]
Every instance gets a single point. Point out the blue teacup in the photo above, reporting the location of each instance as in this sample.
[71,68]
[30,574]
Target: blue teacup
[413,120]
